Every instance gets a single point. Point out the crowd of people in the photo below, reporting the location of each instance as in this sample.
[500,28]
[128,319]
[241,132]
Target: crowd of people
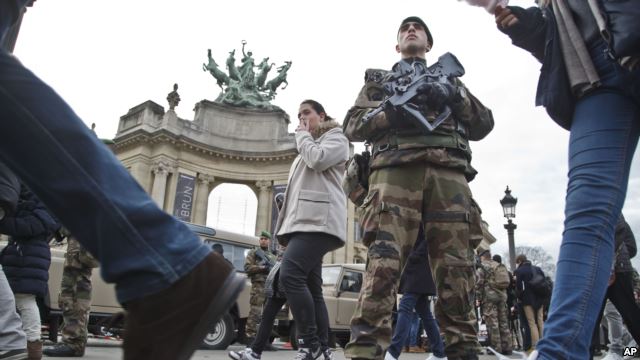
[417,214]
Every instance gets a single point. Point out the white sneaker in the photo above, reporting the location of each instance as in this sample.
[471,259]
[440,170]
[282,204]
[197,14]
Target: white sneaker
[388,356]
[612,356]
[246,354]
[533,355]
[307,354]
[433,357]
[328,354]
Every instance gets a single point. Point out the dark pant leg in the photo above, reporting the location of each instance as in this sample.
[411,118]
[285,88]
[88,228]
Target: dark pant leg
[430,325]
[269,312]
[405,311]
[322,315]
[595,337]
[304,253]
[621,295]
[524,328]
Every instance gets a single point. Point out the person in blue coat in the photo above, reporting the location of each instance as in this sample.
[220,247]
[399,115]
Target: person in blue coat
[26,259]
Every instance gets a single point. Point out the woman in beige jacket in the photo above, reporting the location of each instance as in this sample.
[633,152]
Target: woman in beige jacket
[312,221]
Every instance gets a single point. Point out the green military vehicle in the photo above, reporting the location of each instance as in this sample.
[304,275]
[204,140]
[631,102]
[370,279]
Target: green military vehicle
[104,304]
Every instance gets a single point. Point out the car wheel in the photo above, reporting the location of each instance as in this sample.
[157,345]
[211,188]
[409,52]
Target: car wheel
[221,334]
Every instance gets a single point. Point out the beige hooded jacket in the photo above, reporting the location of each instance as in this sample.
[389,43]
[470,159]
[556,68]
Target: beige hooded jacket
[314,200]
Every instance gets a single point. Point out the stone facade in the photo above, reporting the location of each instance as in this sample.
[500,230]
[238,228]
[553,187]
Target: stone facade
[179,162]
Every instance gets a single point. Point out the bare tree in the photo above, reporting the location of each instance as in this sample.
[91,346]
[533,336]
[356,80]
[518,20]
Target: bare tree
[538,257]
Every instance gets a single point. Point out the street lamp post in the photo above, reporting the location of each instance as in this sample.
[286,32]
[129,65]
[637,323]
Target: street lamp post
[508,203]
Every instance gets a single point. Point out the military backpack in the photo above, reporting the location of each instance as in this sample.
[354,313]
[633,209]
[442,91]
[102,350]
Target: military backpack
[356,180]
[501,277]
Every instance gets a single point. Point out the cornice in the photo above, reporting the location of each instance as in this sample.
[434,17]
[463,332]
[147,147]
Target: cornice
[140,136]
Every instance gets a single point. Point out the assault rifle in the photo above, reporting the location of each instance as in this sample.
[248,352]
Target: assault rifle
[402,85]
[264,259]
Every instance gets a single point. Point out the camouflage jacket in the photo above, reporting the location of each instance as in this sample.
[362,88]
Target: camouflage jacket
[484,290]
[405,141]
[255,267]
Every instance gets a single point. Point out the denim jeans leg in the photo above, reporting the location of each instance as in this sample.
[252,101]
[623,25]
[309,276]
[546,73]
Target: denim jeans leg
[12,337]
[423,308]
[141,248]
[403,324]
[412,339]
[603,139]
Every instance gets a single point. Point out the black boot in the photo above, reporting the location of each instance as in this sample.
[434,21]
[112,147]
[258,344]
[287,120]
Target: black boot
[62,350]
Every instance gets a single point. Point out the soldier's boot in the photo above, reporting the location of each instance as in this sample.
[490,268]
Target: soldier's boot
[170,324]
[34,350]
[63,350]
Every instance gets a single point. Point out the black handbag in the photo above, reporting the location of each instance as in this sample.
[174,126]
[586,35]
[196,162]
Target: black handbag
[623,20]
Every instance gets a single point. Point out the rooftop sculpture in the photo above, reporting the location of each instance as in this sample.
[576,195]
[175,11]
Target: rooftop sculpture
[242,86]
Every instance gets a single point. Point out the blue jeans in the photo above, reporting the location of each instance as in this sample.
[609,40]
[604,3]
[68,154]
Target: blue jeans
[604,135]
[414,324]
[141,248]
[421,303]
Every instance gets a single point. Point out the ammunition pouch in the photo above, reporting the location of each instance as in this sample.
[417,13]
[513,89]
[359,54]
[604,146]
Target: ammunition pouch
[356,180]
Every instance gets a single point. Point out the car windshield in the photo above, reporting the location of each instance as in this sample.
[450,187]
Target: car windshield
[330,275]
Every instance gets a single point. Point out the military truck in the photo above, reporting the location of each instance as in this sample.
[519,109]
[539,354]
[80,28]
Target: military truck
[104,304]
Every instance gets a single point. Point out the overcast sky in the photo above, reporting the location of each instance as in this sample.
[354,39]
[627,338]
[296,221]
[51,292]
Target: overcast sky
[105,57]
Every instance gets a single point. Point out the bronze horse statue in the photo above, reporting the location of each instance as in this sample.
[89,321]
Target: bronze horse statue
[264,67]
[215,71]
[272,85]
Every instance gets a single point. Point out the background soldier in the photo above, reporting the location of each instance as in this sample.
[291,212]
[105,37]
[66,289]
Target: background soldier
[418,177]
[492,282]
[74,300]
[258,263]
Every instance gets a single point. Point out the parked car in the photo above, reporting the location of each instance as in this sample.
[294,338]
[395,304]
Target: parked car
[104,304]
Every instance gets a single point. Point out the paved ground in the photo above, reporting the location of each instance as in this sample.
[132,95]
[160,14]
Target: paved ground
[110,349]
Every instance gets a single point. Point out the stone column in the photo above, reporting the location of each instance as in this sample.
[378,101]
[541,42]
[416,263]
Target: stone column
[202,198]
[159,188]
[263,217]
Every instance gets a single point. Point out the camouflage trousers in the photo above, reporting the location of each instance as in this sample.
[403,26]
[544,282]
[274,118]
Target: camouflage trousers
[75,295]
[496,317]
[400,200]
[255,312]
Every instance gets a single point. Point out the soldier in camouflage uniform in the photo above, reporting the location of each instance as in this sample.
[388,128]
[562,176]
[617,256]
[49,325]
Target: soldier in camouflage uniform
[418,178]
[493,301]
[257,269]
[74,300]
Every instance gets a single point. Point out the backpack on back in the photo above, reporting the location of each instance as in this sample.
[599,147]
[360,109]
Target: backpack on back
[501,278]
[540,284]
